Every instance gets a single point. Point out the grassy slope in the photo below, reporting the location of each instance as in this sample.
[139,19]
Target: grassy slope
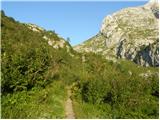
[30,83]
[101,89]
[128,96]
[36,103]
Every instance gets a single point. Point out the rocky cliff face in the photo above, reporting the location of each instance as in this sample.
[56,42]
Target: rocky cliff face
[131,33]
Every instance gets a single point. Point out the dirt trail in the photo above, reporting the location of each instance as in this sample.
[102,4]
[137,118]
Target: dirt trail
[68,106]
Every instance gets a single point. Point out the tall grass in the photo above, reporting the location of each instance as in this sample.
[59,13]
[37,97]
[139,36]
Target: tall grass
[36,103]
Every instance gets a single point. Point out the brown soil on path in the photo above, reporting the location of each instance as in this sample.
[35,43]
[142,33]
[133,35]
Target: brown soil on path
[69,106]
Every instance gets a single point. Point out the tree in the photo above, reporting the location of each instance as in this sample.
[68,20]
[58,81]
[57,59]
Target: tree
[68,39]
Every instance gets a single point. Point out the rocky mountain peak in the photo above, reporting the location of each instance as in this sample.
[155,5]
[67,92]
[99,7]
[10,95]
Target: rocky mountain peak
[131,33]
[152,4]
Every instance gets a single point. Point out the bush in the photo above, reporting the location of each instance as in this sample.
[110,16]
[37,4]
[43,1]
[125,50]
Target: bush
[128,95]
[27,59]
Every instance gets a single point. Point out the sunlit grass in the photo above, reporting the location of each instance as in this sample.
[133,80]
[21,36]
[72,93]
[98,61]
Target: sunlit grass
[38,103]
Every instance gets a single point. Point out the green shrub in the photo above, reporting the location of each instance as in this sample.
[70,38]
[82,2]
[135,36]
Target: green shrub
[128,95]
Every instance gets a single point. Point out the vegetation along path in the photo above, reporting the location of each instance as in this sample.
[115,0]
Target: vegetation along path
[68,106]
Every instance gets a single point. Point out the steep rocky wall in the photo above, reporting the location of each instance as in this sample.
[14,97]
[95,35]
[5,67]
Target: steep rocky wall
[131,33]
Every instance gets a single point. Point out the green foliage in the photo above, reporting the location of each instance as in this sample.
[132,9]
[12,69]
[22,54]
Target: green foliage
[27,59]
[34,77]
[110,84]
[30,70]
[36,104]
[92,111]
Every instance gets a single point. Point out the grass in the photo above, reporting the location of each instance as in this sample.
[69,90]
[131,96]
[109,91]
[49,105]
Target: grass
[35,75]
[85,110]
[91,111]
[37,103]
[117,94]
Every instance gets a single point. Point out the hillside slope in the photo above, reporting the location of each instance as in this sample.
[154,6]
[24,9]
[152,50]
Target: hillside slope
[28,54]
[131,33]
[38,66]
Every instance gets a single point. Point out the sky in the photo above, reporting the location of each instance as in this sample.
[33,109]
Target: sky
[77,20]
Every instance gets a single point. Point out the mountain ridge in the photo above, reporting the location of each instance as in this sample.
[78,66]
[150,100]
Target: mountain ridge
[131,33]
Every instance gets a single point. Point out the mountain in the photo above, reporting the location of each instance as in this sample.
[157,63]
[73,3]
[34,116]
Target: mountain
[38,67]
[131,33]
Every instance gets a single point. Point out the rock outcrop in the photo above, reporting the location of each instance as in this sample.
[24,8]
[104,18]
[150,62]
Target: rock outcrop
[53,39]
[131,33]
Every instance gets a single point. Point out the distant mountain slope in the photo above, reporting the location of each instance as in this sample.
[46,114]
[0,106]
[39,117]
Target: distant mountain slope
[131,33]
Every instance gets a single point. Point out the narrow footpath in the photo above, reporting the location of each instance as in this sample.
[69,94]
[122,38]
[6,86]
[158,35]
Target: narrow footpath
[69,107]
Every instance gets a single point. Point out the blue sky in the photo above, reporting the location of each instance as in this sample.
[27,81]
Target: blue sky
[77,20]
